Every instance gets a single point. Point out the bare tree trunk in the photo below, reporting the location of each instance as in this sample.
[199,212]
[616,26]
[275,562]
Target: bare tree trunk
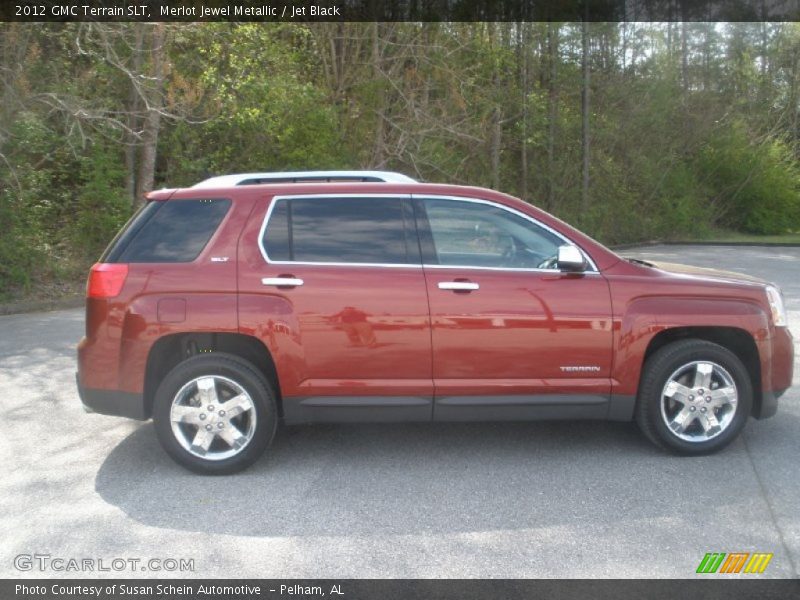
[134,107]
[764,83]
[585,113]
[792,107]
[669,35]
[524,74]
[495,146]
[496,120]
[707,57]
[336,80]
[624,26]
[684,60]
[152,121]
[552,99]
[379,148]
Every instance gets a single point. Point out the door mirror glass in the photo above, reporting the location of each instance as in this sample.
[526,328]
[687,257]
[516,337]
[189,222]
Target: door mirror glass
[571,259]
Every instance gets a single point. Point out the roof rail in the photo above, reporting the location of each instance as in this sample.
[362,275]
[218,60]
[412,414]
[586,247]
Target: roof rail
[304,177]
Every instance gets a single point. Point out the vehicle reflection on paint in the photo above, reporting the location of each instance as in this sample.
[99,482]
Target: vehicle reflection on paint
[356,326]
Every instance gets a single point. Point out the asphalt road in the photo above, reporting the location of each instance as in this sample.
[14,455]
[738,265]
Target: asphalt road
[582,499]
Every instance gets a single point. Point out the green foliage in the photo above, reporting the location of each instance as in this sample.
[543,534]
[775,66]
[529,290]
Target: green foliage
[16,259]
[677,147]
[58,209]
[101,205]
[754,185]
[265,116]
[30,204]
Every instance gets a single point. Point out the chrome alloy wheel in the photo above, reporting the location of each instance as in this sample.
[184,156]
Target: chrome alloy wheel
[213,417]
[699,401]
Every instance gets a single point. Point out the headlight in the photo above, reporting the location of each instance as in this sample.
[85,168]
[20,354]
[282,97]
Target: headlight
[775,299]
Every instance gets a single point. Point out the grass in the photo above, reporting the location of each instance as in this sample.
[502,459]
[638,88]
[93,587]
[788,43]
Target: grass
[57,283]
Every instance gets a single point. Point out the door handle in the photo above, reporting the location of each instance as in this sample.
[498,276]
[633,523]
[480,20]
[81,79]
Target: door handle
[282,281]
[458,286]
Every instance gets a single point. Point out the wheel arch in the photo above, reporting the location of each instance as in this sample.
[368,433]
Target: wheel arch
[170,350]
[734,339]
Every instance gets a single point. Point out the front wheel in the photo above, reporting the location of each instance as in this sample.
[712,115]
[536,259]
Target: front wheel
[215,414]
[695,397]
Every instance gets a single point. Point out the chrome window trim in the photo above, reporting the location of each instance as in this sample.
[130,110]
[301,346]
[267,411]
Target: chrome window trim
[514,211]
[509,269]
[276,199]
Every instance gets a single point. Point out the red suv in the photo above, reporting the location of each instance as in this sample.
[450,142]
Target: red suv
[221,311]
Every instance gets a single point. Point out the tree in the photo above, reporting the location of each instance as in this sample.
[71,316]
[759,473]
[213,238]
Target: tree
[153,99]
[585,82]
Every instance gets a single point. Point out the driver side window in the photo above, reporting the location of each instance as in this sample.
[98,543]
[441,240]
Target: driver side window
[471,234]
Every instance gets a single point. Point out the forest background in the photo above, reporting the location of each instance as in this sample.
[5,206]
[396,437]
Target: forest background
[630,131]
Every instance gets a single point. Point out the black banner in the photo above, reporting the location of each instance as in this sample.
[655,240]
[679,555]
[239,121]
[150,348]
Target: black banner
[399,10]
[398,589]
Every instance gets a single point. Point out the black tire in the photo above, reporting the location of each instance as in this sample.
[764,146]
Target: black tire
[231,368]
[655,375]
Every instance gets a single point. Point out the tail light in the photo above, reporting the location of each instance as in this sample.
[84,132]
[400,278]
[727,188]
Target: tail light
[106,280]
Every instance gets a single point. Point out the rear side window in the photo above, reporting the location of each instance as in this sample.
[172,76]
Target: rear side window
[341,230]
[170,231]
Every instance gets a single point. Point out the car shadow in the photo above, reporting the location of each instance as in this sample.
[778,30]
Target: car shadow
[435,478]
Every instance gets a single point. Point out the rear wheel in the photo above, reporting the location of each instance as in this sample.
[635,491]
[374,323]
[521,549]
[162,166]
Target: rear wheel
[694,397]
[215,414]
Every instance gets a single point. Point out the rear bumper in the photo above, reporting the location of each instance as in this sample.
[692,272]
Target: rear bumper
[112,402]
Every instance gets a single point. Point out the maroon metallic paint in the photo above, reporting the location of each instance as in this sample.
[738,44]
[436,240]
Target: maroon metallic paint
[517,333]
[390,331]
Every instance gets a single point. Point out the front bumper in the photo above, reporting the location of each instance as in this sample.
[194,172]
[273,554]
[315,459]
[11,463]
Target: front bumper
[112,402]
[769,404]
[778,373]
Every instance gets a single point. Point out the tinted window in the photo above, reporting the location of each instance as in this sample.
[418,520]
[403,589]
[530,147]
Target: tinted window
[482,235]
[129,231]
[171,231]
[276,238]
[343,230]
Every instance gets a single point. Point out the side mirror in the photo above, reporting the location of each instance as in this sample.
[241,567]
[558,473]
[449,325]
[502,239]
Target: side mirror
[571,259]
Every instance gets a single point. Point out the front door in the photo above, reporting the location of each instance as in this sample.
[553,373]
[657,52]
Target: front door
[513,337]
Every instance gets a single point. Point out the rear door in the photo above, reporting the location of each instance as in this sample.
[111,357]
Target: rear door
[513,337]
[333,285]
